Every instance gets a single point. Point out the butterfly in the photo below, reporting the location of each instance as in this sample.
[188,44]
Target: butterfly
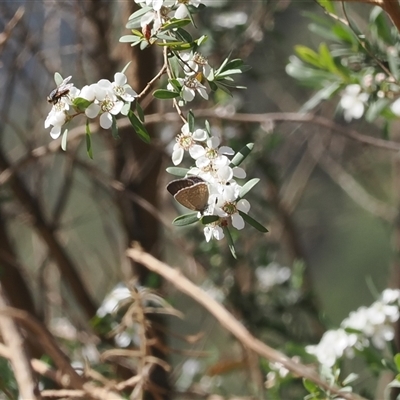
[191,192]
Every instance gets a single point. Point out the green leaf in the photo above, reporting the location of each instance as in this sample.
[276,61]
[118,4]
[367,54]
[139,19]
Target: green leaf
[139,127]
[209,219]
[201,40]
[396,359]
[190,118]
[248,186]
[130,39]
[164,94]
[308,55]
[229,239]
[175,23]
[64,140]
[143,44]
[378,24]
[88,140]
[183,35]
[135,18]
[325,93]
[208,130]
[177,171]
[241,155]
[253,222]
[58,79]
[81,104]
[311,387]
[186,219]
[114,128]
[375,109]
[126,67]
[140,111]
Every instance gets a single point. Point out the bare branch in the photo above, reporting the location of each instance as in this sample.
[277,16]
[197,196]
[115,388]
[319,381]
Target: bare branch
[18,359]
[228,321]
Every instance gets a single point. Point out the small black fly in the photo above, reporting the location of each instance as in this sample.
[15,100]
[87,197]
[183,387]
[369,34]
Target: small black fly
[60,91]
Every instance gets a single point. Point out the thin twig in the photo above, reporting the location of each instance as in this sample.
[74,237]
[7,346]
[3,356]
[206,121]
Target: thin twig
[20,364]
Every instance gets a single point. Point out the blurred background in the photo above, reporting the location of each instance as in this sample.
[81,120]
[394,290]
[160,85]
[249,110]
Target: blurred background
[66,220]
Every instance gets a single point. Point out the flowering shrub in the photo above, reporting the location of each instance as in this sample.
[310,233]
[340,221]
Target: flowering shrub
[188,71]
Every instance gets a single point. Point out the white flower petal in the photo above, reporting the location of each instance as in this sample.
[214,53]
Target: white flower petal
[177,156]
[243,205]
[120,79]
[92,111]
[55,132]
[106,120]
[196,151]
[237,221]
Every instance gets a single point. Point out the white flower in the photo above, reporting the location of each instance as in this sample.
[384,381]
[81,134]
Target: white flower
[195,63]
[353,102]
[332,346]
[225,204]
[57,117]
[106,103]
[395,107]
[271,275]
[186,141]
[155,4]
[190,86]
[213,231]
[213,154]
[390,295]
[182,10]
[110,303]
[122,89]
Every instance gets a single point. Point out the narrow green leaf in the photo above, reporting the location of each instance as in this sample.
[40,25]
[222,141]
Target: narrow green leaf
[140,111]
[209,219]
[183,35]
[139,127]
[253,222]
[164,94]
[375,109]
[396,359]
[88,140]
[58,78]
[114,128]
[191,120]
[186,219]
[129,39]
[126,67]
[64,140]
[208,127]
[229,239]
[241,155]
[177,171]
[325,93]
[248,186]
[174,23]
[143,44]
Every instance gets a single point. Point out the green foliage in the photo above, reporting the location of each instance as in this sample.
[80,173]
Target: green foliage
[370,60]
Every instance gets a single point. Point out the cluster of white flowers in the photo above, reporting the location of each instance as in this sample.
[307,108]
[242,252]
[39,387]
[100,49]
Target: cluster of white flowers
[213,166]
[103,98]
[365,326]
[271,275]
[162,10]
[353,102]
[113,299]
